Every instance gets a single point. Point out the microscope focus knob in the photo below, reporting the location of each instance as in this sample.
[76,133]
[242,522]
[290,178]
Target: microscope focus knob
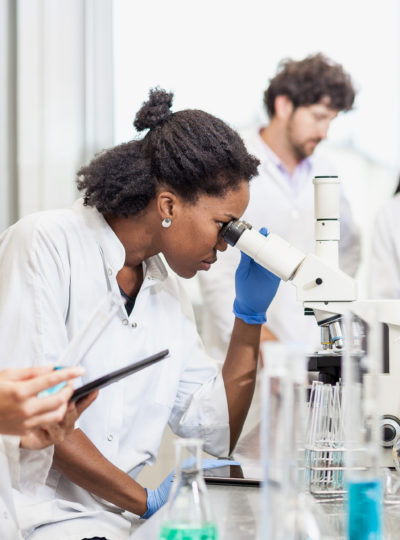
[390,430]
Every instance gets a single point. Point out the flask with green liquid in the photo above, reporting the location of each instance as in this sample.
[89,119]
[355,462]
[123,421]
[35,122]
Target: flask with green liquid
[188,513]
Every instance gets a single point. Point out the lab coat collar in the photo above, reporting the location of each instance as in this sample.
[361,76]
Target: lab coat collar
[111,247]
[155,269]
[109,243]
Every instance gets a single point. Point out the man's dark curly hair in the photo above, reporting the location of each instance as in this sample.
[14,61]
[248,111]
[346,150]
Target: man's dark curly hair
[189,152]
[306,82]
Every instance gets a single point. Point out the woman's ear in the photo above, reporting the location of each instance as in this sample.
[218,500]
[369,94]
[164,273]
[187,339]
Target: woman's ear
[167,205]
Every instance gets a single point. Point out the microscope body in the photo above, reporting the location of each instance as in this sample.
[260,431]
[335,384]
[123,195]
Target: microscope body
[327,293]
[388,315]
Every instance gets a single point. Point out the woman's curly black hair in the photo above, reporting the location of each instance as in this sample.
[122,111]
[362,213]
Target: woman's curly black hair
[190,152]
[306,82]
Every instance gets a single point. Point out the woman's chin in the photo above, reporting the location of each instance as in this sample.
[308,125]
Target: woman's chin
[187,274]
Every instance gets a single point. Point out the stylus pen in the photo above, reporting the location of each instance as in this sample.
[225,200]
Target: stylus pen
[53,389]
[86,337]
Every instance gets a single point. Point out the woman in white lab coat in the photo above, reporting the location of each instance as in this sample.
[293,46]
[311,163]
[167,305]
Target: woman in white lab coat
[28,424]
[169,193]
[385,257]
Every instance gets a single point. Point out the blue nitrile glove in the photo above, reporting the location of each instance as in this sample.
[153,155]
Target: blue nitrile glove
[255,289]
[156,498]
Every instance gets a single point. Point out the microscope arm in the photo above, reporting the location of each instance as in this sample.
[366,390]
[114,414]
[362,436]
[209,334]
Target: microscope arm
[316,281]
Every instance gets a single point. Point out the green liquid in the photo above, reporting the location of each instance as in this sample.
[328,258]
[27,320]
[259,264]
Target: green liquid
[174,531]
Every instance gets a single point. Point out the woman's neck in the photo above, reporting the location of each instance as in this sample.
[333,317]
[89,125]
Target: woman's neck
[130,280]
[135,234]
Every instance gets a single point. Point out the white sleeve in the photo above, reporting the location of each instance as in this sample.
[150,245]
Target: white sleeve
[34,468]
[350,240]
[385,266]
[200,408]
[34,292]
[32,327]
[12,451]
[28,468]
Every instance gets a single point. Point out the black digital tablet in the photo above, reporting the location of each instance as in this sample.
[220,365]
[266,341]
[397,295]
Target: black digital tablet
[229,474]
[117,375]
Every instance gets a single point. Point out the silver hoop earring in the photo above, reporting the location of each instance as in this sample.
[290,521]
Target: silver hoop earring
[166,222]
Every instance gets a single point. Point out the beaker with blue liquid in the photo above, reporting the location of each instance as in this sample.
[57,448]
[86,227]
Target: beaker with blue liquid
[360,370]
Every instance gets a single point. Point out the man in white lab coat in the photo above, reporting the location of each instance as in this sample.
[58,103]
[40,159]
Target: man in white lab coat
[301,100]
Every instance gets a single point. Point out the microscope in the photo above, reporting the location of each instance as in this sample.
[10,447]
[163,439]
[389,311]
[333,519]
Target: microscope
[327,293]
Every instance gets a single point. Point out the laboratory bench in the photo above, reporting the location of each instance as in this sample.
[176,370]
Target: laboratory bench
[238,514]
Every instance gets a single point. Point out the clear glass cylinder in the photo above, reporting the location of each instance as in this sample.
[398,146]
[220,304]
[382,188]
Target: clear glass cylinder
[362,361]
[188,513]
[286,508]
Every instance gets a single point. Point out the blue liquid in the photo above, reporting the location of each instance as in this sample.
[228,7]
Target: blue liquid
[365,510]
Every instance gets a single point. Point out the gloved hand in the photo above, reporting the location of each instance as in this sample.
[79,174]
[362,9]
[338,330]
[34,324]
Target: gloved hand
[255,289]
[159,496]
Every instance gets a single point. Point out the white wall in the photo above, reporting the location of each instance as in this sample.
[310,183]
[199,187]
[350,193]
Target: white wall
[219,55]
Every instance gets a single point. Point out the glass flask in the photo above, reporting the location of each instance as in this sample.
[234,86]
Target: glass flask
[361,367]
[188,514]
[288,511]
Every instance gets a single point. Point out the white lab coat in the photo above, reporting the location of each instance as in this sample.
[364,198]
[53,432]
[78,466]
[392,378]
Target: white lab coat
[290,213]
[385,256]
[19,469]
[9,471]
[59,265]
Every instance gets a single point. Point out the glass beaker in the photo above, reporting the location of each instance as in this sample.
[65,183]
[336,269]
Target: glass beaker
[287,510]
[188,513]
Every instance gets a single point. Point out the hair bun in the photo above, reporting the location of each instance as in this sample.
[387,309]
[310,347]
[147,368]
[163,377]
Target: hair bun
[155,110]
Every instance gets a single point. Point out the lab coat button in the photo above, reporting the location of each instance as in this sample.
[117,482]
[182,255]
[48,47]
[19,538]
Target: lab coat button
[110,271]
[5,515]
[110,437]
[134,325]
[125,322]
[295,214]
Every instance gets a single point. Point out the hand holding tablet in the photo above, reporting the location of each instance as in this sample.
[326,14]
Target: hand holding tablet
[84,340]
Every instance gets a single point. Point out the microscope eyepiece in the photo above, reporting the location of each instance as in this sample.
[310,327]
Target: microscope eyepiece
[233,230]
